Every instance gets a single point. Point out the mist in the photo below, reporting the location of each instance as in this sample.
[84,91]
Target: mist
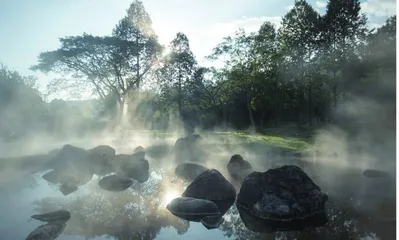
[322,100]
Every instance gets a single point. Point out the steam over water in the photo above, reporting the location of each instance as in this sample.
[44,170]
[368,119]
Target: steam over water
[358,207]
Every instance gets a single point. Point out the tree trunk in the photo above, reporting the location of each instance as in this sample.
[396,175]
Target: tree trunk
[310,103]
[138,65]
[251,116]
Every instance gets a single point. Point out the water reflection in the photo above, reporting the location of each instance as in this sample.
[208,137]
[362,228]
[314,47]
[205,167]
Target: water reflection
[139,213]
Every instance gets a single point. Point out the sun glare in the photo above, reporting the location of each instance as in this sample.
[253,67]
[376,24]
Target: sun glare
[169,196]
[166,51]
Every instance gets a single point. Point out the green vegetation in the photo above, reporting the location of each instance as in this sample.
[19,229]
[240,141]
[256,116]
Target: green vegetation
[300,74]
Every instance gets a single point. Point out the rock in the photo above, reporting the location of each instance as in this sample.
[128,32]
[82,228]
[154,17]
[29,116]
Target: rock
[189,171]
[211,185]
[104,150]
[47,231]
[131,167]
[66,189]
[54,152]
[60,215]
[187,149]
[192,209]
[101,163]
[139,152]
[187,142]
[114,183]
[238,168]
[371,173]
[281,199]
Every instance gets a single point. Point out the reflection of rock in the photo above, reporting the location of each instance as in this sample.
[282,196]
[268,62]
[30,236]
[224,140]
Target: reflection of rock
[192,209]
[114,183]
[67,189]
[60,215]
[281,199]
[47,231]
[211,185]
[189,171]
[238,168]
[371,173]
[132,167]
[211,222]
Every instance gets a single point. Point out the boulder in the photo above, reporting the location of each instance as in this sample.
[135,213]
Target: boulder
[104,150]
[189,171]
[192,209]
[132,167]
[114,183]
[238,168]
[281,199]
[60,215]
[47,231]
[213,186]
[139,152]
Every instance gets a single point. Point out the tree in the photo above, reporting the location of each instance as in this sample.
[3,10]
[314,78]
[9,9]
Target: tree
[136,28]
[177,72]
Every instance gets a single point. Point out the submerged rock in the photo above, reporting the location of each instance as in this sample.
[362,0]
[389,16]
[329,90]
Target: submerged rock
[238,168]
[114,183]
[189,171]
[47,231]
[60,215]
[192,209]
[281,199]
[371,173]
[213,186]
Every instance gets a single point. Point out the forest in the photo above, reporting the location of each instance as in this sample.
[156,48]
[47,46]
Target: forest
[313,70]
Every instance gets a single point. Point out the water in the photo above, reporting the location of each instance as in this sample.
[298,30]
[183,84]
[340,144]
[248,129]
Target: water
[357,209]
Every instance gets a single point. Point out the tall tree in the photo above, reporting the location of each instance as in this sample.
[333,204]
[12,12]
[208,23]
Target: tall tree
[343,28]
[299,35]
[178,69]
[136,28]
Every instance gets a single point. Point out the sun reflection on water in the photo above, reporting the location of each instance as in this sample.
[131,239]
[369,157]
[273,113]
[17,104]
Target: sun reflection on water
[169,196]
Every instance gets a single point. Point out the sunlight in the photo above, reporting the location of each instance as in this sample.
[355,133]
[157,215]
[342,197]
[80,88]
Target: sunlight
[169,196]
[166,51]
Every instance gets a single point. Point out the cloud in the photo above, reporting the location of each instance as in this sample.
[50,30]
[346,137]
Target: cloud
[379,8]
[248,24]
[289,7]
[321,4]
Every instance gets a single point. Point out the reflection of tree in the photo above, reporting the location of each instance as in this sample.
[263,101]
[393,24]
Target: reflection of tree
[136,213]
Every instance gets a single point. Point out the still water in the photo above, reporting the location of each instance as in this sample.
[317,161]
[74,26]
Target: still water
[358,208]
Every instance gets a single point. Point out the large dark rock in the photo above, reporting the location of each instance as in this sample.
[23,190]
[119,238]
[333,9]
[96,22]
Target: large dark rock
[101,161]
[47,231]
[114,183]
[189,171]
[192,209]
[281,199]
[104,150]
[60,215]
[132,167]
[238,168]
[213,186]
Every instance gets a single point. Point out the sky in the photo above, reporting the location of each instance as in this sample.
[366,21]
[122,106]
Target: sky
[29,27]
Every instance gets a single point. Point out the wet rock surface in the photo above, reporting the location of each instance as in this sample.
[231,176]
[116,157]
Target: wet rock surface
[212,185]
[372,173]
[189,171]
[281,199]
[60,215]
[114,183]
[47,231]
[192,209]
